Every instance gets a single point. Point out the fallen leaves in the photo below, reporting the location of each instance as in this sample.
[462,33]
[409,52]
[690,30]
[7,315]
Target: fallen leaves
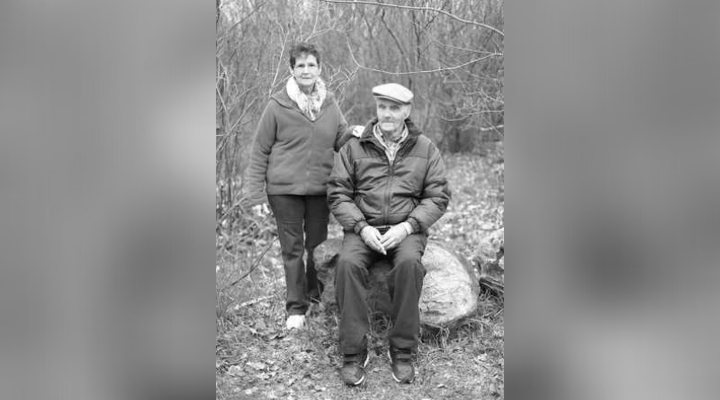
[257,358]
[475,209]
[256,365]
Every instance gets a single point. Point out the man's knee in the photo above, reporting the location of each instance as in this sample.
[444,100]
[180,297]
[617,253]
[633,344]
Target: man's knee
[410,265]
[348,264]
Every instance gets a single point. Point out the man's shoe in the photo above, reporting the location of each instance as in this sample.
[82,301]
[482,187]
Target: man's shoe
[295,322]
[403,370]
[353,369]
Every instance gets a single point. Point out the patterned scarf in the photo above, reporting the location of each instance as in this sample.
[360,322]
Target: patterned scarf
[308,104]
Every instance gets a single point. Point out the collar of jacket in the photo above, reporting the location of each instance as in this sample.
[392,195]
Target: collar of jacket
[368,136]
[284,100]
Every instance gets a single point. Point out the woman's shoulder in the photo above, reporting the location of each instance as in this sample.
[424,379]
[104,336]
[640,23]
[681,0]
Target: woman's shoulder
[280,98]
[330,99]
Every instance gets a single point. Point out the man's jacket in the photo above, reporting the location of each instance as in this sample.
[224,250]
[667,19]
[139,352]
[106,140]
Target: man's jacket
[364,188]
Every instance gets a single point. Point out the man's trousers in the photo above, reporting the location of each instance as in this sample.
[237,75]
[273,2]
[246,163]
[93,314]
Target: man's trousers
[404,281]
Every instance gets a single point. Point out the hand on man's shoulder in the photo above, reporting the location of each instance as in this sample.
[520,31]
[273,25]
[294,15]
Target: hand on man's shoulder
[357,130]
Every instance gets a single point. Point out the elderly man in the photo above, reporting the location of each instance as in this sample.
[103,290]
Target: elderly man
[386,189]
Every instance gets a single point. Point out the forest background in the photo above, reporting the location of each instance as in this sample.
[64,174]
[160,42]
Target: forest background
[450,54]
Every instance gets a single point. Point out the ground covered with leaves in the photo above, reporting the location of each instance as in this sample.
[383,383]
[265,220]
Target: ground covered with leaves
[257,358]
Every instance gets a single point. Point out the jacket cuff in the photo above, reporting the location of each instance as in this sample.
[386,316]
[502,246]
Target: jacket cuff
[360,226]
[414,224]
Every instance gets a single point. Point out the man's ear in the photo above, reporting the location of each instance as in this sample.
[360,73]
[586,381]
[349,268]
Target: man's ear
[408,108]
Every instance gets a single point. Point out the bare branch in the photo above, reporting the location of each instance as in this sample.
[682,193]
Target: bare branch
[395,39]
[434,39]
[315,23]
[453,16]
[255,301]
[228,30]
[280,60]
[492,128]
[420,72]
[470,114]
[222,100]
[255,265]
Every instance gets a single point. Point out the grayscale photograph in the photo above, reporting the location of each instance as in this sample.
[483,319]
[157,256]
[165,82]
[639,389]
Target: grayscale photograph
[359,199]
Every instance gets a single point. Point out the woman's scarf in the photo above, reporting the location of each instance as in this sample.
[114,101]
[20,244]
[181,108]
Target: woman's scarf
[308,104]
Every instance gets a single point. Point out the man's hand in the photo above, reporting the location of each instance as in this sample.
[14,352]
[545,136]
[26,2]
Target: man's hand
[371,236]
[394,236]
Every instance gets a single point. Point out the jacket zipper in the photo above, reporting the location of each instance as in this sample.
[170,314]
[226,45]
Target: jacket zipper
[391,168]
[388,196]
[388,190]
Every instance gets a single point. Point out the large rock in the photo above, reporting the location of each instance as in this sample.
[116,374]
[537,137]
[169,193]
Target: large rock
[450,289]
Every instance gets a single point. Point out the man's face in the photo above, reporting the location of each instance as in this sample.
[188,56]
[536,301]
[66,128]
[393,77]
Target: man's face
[391,115]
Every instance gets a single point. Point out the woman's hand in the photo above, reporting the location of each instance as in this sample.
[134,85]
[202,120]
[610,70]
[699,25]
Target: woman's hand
[357,130]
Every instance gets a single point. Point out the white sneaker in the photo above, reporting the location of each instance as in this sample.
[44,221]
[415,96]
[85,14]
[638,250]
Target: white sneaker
[295,322]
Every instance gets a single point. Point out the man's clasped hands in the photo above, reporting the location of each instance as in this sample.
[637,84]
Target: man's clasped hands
[381,243]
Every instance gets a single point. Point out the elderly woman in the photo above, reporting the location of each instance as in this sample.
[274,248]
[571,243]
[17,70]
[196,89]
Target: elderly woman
[291,159]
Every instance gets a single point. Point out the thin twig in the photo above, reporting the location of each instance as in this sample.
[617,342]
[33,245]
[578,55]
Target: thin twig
[280,60]
[251,302]
[453,16]
[217,89]
[395,39]
[245,111]
[254,266]
[492,128]
[255,301]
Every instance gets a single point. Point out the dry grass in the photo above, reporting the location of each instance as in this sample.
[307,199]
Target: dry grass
[256,358]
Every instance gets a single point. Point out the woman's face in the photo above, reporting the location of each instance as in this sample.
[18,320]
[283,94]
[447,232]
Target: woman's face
[306,71]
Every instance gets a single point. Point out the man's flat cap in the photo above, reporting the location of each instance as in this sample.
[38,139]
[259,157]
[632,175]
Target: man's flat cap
[393,92]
